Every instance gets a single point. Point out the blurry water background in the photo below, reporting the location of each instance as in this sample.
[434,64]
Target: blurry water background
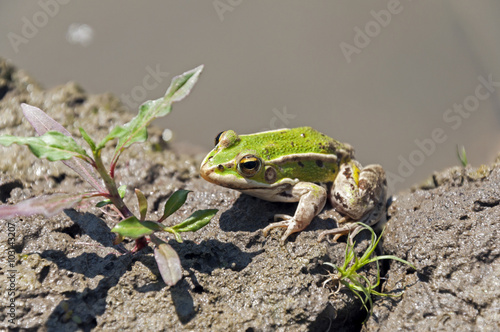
[404,82]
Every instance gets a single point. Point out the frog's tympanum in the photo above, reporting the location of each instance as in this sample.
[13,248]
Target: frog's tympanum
[299,165]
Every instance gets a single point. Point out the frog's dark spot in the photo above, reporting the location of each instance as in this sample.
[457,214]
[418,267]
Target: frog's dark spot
[292,144]
[340,200]
[3,91]
[302,135]
[220,167]
[270,174]
[348,173]
[319,163]
[285,194]
[316,208]
[300,164]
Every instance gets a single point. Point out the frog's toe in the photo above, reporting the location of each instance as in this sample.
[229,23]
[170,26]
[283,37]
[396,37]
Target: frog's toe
[291,225]
[281,224]
[284,217]
[352,229]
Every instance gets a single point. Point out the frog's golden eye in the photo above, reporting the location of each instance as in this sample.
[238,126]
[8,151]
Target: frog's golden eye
[249,165]
[217,138]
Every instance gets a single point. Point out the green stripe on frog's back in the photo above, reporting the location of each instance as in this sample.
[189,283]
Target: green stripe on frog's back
[285,142]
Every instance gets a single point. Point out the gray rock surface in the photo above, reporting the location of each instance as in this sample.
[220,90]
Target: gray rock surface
[69,277]
[451,234]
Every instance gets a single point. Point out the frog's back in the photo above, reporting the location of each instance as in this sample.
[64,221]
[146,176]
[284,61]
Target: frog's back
[278,143]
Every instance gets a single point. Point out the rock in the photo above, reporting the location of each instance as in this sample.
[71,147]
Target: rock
[451,234]
[68,275]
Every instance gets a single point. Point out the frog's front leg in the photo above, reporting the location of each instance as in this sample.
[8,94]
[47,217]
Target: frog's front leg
[312,199]
[360,195]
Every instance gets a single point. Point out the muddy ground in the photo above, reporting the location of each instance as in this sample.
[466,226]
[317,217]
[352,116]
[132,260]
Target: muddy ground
[68,275]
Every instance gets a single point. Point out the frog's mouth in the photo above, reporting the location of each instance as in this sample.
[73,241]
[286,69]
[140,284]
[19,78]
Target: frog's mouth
[228,180]
[205,174]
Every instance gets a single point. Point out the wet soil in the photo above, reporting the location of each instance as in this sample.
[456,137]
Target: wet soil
[68,275]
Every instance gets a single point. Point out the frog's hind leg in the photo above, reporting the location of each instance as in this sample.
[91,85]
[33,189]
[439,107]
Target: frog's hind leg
[360,195]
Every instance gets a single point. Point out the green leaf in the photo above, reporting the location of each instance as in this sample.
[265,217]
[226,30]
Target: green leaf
[122,190]
[127,134]
[135,130]
[181,85]
[196,221]
[143,203]
[462,156]
[87,138]
[168,262]
[44,123]
[52,145]
[174,202]
[134,228]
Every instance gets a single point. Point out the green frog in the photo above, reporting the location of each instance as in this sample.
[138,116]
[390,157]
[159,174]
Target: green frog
[299,165]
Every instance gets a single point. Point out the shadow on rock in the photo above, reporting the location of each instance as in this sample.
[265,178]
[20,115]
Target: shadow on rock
[80,309]
[250,214]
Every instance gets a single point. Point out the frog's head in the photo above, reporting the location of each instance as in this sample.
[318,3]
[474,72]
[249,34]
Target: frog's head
[231,164]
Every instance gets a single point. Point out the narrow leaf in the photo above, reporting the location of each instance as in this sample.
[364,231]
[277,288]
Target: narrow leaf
[462,156]
[52,145]
[196,221]
[46,205]
[174,202]
[178,237]
[87,138]
[143,203]
[134,228]
[43,123]
[181,85]
[394,258]
[169,263]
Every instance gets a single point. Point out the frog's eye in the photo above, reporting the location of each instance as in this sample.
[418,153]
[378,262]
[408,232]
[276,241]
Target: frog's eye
[249,165]
[217,138]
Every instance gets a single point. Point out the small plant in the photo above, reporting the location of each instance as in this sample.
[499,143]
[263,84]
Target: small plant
[55,143]
[462,156]
[348,276]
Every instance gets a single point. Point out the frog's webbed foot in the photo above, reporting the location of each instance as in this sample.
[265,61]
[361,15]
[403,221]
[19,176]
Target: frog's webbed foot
[288,222]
